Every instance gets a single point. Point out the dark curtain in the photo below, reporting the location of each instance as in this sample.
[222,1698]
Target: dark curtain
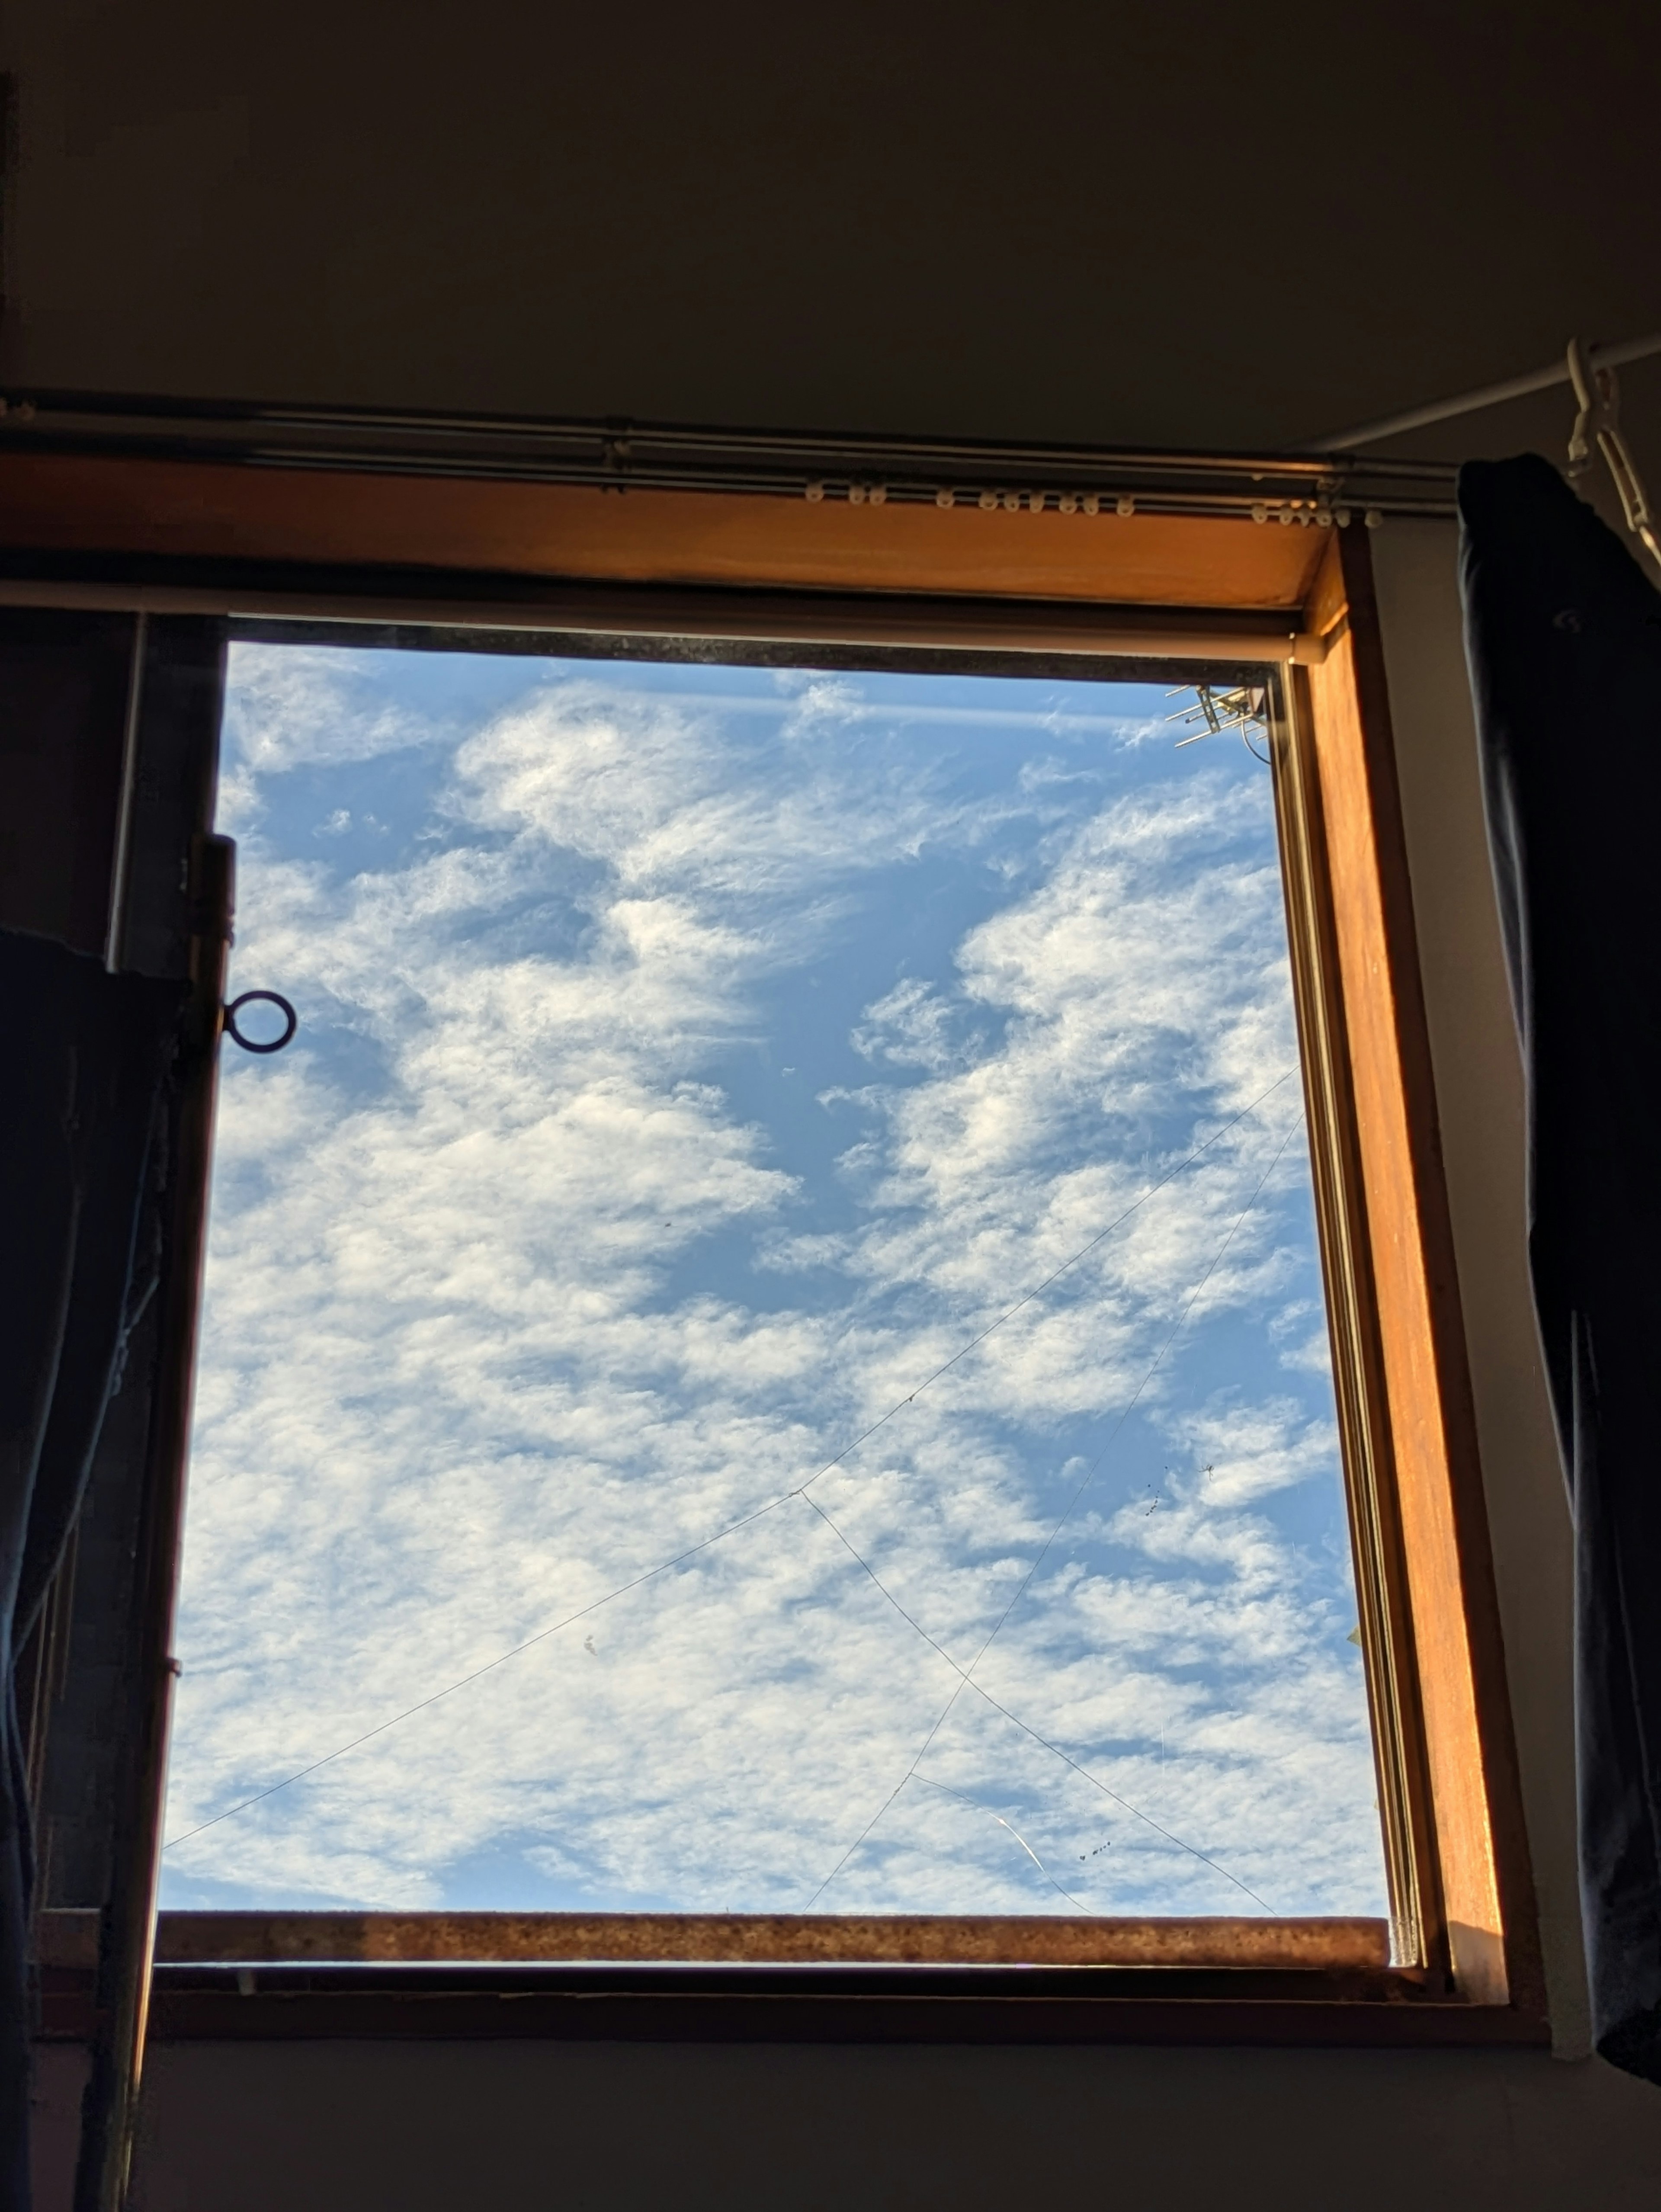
[85,1060]
[1563,635]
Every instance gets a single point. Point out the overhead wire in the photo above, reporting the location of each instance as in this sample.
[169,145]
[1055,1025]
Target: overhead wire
[745,1521]
[966,1674]
[964,1798]
[1025,1727]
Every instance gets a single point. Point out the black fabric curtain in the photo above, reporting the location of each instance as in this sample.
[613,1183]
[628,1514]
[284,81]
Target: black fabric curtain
[87,1056]
[1563,635]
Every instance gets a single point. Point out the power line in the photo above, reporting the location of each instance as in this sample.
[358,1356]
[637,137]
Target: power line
[1038,1290]
[967,1674]
[929,1782]
[666,1567]
[1025,1727]
[489,1666]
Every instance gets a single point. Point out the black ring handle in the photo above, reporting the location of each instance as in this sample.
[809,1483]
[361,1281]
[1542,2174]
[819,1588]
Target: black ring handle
[261,998]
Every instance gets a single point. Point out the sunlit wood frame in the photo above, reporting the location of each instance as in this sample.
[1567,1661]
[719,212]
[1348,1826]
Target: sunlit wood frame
[1294,606]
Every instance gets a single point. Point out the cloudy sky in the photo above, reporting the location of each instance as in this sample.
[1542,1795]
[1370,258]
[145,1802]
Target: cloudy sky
[695,1064]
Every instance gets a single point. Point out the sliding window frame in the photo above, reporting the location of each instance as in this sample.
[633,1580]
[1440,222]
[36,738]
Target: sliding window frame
[1464,1962]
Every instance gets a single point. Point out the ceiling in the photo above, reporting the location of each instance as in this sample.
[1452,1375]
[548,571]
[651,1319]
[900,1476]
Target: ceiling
[1191,223]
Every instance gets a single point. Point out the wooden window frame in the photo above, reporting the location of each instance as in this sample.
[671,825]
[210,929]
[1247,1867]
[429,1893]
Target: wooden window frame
[1295,607]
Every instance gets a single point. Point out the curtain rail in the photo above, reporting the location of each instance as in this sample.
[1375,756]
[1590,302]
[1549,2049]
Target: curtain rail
[670,457]
[1486,395]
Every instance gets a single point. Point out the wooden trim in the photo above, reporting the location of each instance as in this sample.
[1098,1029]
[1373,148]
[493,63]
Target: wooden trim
[1328,1944]
[825,2004]
[111,505]
[531,616]
[753,2005]
[227,1976]
[1406,1815]
[1481,1845]
[1462,1891]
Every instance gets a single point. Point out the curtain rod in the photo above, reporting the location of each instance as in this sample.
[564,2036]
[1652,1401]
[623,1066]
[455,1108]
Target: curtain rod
[620,454]
[1486,395]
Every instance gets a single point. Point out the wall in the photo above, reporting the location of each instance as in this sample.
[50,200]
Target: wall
[254,2126]
[592,2129]
[1190,222]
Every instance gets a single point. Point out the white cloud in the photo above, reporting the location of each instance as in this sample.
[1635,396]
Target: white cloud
[474,1356]
[294,703]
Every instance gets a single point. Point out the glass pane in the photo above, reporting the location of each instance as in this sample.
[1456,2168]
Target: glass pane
[764,1348]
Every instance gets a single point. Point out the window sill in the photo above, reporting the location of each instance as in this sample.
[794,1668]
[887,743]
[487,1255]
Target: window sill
[242,1977]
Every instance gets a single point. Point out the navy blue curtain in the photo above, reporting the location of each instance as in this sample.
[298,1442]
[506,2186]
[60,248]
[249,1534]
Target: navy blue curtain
[85,1061]
[1563,635]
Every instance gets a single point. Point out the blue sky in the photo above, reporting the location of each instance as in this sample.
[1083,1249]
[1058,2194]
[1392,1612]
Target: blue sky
[693,1062]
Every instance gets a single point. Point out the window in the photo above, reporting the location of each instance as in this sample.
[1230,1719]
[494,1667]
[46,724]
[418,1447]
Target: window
[1190,598]
[792,1219]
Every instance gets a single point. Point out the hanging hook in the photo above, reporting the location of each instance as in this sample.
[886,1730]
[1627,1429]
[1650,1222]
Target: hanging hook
[291,1020]
[1598,395]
